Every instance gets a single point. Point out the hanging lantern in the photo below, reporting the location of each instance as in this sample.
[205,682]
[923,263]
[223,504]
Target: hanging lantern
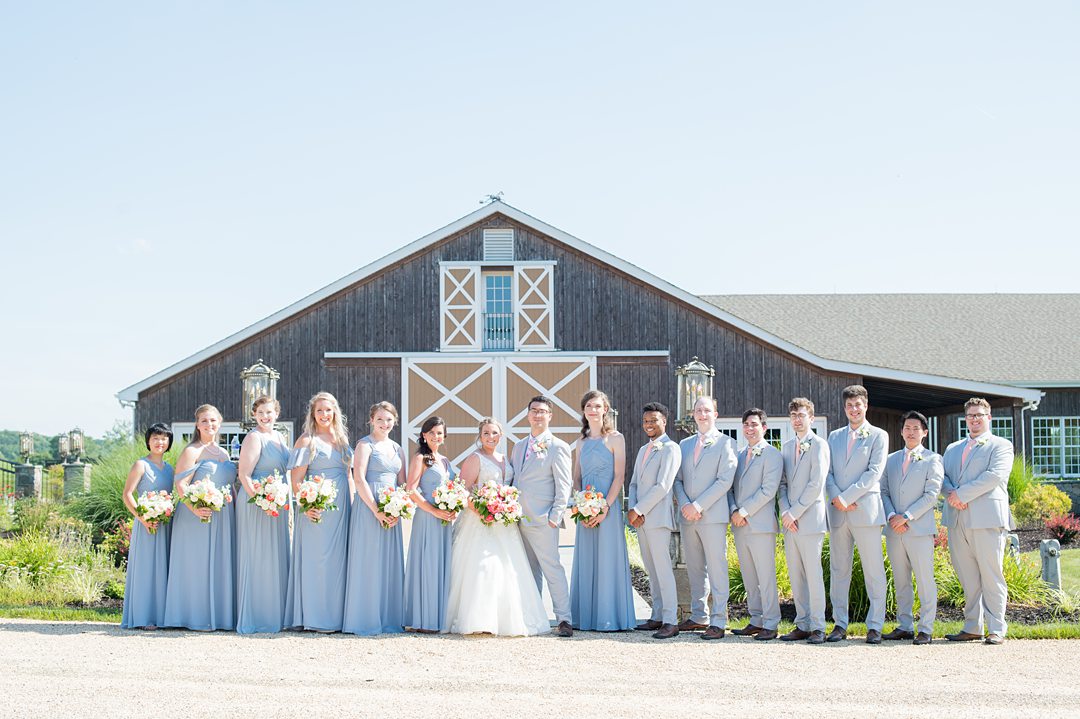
[695,380]
[256,381]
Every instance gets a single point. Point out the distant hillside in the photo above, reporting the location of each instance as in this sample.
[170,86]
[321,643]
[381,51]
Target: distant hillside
[45,446]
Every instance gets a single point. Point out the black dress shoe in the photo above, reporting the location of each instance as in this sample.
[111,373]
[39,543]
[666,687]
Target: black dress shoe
[650,626]
[713,632]
[816,637]
[765,635]
[667,631]
[748,631]
[898,634]
[689,625]
[873,636]
[838,634]
[795,635]
[922,638]
[564,629]
[963,637]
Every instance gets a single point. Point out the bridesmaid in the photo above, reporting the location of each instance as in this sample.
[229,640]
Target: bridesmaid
[201,588]
[148,557]
[373,599]
[427,577]
[262,540]
[601,598]
[316,594]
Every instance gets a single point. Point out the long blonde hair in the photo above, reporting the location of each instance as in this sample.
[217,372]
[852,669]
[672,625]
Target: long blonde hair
[339,428]
[606,425]
[199,411]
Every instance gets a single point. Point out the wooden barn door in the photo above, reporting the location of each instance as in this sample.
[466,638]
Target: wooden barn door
[564,379]
[461,391]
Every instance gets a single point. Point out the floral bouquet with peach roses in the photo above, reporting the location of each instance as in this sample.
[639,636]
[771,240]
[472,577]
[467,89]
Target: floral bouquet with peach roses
[155,508]
[317,492]
[496,502]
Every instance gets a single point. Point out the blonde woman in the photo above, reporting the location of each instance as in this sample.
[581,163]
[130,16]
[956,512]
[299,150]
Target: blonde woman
[315,598]
[601,598]
[492,589]
[201,593]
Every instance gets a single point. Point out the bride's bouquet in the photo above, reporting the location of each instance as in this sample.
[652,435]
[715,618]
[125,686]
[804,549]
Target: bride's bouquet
[497,503]
[587,504]
[317,492]
[204,494]
[394,501]
[450,496]
[271,494]
[155,507]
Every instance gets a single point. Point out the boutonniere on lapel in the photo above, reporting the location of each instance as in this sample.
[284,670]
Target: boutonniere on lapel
[756,451]
[540,447]
[804,446]
[916,455]
[981,441]
[656,444]
[862,432]
[709,441]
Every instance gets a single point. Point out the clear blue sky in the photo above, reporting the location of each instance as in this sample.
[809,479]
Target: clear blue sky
[173,172]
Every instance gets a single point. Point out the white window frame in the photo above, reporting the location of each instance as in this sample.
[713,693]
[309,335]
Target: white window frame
[961,427]
[820,427]
[1060,449]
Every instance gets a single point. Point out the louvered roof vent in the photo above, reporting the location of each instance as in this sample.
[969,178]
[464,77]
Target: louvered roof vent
[499,245]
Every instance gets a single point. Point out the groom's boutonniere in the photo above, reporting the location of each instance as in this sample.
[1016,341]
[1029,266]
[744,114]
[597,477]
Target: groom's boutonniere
[981,441]
[540,447]
[804,446]
[862,432]
[756,451]
[916,455]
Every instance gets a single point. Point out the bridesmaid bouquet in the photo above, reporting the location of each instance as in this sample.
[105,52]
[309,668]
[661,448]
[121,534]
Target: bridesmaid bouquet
[496,502]
[204,494]
[450,496]
[587,504]
[155,507]
[395,502]
[271,494]
[317,492]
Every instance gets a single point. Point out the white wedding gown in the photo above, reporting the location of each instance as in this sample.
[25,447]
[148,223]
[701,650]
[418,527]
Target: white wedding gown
[492,589]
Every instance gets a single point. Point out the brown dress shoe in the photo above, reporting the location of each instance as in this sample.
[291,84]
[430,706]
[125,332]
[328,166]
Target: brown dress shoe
[650,626]
[667,631]
[838,634]
[689,625]
[564,629]
[765,635]
[713,632]
[922,638]
[795,635]
[873,636]
[748,631]
[898,634]
[963,637]
[816,637]
[994,639]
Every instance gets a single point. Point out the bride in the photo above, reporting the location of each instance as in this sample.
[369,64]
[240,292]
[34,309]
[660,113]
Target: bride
[492,589]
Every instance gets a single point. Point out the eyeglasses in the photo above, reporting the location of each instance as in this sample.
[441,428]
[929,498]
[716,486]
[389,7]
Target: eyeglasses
[976,416]
[539,410]
[796,415]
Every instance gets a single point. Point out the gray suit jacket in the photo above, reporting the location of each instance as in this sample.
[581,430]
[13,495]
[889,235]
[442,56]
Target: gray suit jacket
[708,480]
[652,483]
[915,493]
[756,482]
[545,481]
[857,479]
[982,483]
[802,488]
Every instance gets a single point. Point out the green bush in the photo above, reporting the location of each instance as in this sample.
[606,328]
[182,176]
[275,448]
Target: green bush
[1039,503]
[735,581]
[30,555]
[57,569]
[117,543]
[31,515]
[1021,478]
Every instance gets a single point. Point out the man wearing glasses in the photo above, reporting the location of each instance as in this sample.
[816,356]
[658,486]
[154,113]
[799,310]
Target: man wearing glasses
[976,513]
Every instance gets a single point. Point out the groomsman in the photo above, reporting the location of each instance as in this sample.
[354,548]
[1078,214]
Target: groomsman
[701,488]
[977,514]
[652,513]
[804,517]
[909,492]
[856,515]
[542,472]
[752,502]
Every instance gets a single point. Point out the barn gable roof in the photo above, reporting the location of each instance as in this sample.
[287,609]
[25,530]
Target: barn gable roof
[833,364]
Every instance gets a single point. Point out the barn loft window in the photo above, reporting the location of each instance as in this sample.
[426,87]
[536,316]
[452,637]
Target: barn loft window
[498,317]
[499,245]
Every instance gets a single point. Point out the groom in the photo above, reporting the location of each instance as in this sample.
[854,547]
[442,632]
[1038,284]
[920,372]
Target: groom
[542,474]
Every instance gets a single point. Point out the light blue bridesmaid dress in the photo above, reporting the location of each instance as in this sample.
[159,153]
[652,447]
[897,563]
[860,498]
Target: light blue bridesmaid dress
[601,598]
[316,594]
[373,599]
[427,575]
[201,561]
[262,547]
[148,558]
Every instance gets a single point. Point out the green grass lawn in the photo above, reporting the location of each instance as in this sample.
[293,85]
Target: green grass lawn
[1070,569]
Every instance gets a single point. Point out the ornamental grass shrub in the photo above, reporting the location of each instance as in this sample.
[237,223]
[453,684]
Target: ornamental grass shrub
[1039,503]
[1021,478]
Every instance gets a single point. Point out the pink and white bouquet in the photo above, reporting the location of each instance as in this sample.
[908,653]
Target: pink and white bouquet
[450,496]
[587,504]
[271,493]
[155,508]
[394,501]
[496,502]
[317,492]
[204,494]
